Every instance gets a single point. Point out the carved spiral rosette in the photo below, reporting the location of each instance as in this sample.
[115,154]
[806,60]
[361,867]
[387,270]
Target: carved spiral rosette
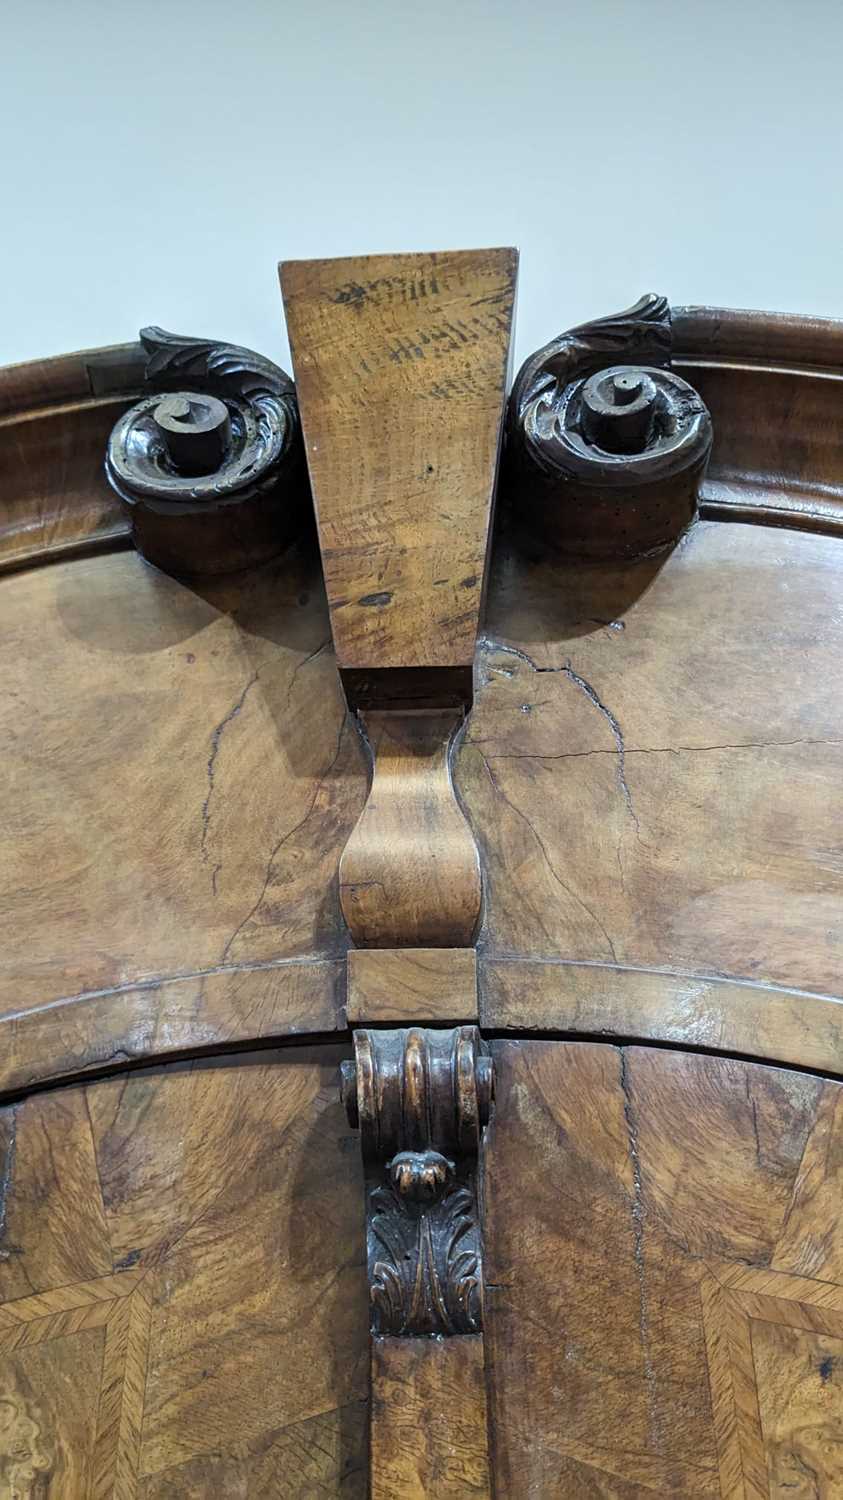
[608,444]
[421,1100]
[208,463]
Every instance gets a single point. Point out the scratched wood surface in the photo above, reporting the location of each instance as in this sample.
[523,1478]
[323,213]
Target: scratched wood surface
[664,1276]
[183,1286]
[654,763]
[180,780]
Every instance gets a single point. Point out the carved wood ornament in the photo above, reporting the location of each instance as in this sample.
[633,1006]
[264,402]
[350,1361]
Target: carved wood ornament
[421,1099]
[209,463]
[608,445]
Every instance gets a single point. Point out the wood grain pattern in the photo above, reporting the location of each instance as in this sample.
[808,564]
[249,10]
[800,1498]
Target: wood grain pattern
[226,1340]
[695,1010]
[401,365]
[410,873]
[653,764]
[144,727]
[405,985]
[55,417]
[157,1018]
[651,1327]
[428,1419]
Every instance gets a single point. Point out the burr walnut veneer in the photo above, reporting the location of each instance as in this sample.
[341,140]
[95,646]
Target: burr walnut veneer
[421,1012]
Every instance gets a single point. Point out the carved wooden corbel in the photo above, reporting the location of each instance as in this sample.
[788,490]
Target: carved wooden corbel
[209,464]
[421,1100]
[608,445]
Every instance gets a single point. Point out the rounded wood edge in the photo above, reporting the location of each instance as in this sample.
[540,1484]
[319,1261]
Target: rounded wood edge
[86,374]
[735,1017]
[161,1019]
[724,333]
[772,384]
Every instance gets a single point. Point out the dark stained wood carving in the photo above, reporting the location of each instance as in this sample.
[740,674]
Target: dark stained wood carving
[401,365]
[209,463]
[608,444]
[421,1099]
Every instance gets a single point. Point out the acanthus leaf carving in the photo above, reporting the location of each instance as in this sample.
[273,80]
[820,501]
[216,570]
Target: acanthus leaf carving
[411,1093]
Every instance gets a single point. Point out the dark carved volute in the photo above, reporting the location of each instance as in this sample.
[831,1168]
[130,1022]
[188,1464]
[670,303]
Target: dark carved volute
[608,445]
[209,464]
[421,1099]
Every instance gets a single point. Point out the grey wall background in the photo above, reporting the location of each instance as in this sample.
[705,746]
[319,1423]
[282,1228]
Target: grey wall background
[158,158]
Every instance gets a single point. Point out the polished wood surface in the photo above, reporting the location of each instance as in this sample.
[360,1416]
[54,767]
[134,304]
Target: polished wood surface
[183,1285]
[401,366]
[691,1010]
[405,985]
[664,1296]
[654,763]
[55,417]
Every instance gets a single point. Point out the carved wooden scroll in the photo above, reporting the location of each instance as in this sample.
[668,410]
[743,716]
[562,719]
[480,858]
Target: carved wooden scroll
[209,463]
[608,445]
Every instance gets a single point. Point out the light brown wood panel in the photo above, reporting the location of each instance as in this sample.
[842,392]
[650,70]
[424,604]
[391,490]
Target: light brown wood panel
[653,764]
[48,1418]
[53,1225]
[55,418]
[410,873]
[651,1326]
[401,365]
[695,1010]
[429,1433]
[229,1341]
[395,985]
[144,725]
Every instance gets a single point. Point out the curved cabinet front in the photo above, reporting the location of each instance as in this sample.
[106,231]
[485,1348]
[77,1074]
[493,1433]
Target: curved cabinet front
[183,1285]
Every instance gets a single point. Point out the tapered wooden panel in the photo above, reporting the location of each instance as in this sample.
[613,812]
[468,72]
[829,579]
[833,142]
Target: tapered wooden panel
[429,1438]
[401,364]
[182,1274]
[664,1296]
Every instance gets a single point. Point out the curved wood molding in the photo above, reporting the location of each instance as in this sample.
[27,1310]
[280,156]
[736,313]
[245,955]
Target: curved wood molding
[55,417]
[209,463]
[410,873]
[731,1016]
[773,386]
